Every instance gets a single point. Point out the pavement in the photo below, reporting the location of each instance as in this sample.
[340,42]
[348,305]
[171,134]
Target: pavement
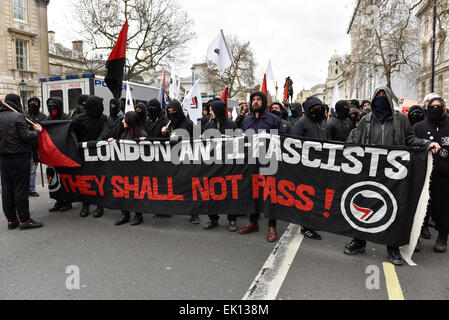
[171,259]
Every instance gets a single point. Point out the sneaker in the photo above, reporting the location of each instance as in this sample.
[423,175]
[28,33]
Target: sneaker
[30,224]
[13,224]
[98,213]
[394,255]
[355,247]
[441,244]
[210,224]
[34,194]
[250,228]
[232,226]
[425,233]
[195,220]
[312,234]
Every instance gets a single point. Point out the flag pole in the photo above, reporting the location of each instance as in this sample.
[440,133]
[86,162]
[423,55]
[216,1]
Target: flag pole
[14,110]
[233,64]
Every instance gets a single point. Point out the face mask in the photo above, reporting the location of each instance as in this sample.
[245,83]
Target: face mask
[174,118]
[276,113]
[34,108]
[416,117]
[318,115]
[436,114]
[382,108]
[113,111]
[343,113]
[54,112]
[290,112]
[153,113]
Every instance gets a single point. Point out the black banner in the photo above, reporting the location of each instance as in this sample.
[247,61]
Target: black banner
[367,192]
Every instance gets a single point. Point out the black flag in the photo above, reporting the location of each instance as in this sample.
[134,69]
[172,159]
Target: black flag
[116,64]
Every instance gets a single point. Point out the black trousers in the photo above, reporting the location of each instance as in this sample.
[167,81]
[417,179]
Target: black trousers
[215,217]
[15,172]
[254,218]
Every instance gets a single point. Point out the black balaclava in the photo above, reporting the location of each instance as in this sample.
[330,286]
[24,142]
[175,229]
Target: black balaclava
[34,106]
[295,108]
[381,108]
[141,112]
[342,109]
[354,114]
[275,112]
[94,107]
[154,109]
[416,114]
[178,117]
[318,114]
[113,111]
[436,114]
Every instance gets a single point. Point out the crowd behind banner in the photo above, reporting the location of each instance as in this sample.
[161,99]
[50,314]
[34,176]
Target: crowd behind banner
[373,122]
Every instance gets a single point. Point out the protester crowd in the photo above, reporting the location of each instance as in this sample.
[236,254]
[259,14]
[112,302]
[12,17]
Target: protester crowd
[374,122]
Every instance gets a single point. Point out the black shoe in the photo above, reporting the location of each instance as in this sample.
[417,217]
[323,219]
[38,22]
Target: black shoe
[66,207]
[98,213]
[232,226]
[138,219]
[418,246]
[157,216]
[56,207]
[441,244]
[394,255]
[84,211]
[13,224]
[124,219]
[312,234]
[355,247]
[195,219]
[425,233]
[34,194]
[210,224]
[30,224]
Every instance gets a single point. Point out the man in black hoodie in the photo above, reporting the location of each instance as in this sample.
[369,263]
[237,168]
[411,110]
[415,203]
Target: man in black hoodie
[278,110]
[339,127]
[219,121]
[15,155]
[157,119]
[141,110]
[178,120]
[296,110]
[88,127]
[416,114]
[436,129]
[79,109]
[56,110]
[34,114]
[312,125]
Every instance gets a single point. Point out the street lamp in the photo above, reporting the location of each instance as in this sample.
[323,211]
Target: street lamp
[23,86]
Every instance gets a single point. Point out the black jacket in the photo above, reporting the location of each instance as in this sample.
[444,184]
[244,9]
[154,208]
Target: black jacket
[338,129]
[221,121]
[179,121]
[15,136]
[154,128]
[89,125]
[60,107]
[436,133]
[307,128]
[36,117]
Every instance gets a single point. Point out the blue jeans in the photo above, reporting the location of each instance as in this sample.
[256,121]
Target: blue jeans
[33,176]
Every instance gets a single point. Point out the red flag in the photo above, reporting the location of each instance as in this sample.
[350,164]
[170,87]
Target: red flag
[224,97]
[285,93]
[264,85]
[115,64]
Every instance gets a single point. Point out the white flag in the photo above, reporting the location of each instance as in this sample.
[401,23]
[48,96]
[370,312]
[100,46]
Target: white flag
[219,53]
[178,89]
[173,85]
[193,103]
[129,106]
[335,96]
[234,114]
[269,72]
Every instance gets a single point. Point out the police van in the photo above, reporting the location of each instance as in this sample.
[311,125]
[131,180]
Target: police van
[69,88]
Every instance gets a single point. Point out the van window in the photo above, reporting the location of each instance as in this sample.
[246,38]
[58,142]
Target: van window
[74,95]
[57,93]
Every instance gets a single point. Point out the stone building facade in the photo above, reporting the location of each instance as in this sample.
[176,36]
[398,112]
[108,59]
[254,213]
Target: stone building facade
[24,53]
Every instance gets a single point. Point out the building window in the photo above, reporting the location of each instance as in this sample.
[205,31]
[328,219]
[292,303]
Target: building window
[21,54]
[20,10]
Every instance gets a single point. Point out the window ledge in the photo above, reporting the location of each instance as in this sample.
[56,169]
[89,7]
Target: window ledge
[22,32]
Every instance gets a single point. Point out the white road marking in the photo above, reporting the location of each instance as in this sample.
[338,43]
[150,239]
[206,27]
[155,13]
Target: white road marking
[269,281]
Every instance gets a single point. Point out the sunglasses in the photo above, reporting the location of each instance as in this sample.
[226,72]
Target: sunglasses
[436,106]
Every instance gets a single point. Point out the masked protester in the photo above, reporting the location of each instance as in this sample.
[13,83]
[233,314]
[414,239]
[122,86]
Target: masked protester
[34,114]
[278,110]
[88,127]
[416,115]
[141,110]
[385,126]
[157,119]
[56,109]
[206,115]
[79,109]
[339,127]
[15,154]
[436,128]
[296,110]
[260,120]
[312,125]
[133,131]
[178,120]
[219,121]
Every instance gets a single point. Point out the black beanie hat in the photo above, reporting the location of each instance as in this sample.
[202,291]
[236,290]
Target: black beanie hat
[14,101]
[154,103]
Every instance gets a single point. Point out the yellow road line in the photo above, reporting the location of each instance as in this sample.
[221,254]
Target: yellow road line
[393,286]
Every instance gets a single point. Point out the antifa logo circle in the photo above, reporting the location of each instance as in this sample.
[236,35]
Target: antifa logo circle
[369,207]
[54,183]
